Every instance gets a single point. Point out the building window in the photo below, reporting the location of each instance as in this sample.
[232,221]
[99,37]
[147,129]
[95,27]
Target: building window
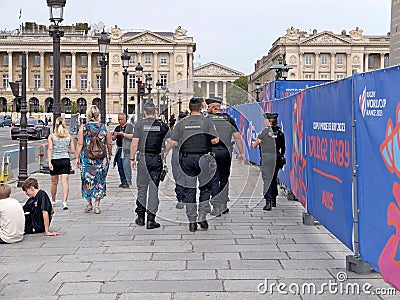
[51,60]
[147,58]
[131,81]
[68,81]
[324,76]
[36,81]
[68,60]
[36,61]
[324,59]
[84,82]
[163,58]
[371,62]
[307,76]
[132,60]
[339,76]
[84,60]
[5,59]
[98,82]
[51,81]
[5,81]
[339,59]
[163,79]
[386,61]
[308,61]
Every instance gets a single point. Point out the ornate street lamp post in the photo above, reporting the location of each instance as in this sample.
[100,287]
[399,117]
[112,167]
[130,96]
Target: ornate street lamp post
[23,136]
[179,101]
[125,58]
[258,88]
[104,44]
[56,10]
[281,69]
[158,87]
[149,82]
[139,72]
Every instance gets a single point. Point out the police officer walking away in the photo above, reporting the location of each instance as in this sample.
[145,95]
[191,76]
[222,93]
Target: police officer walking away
[226,128]
[195,135]
[177,173]
[148,138]
[272,150]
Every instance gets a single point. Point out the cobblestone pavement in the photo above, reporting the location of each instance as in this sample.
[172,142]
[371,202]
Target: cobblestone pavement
[244,254]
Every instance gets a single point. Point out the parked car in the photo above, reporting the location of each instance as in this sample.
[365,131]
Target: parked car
[35,128]
[5,121]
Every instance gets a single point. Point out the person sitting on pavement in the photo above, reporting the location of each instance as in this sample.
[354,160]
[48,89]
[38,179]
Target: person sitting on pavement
[38,209]
[12,219]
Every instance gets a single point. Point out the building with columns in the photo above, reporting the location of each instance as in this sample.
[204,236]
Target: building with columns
[166,56]
[322,55]
[212,79]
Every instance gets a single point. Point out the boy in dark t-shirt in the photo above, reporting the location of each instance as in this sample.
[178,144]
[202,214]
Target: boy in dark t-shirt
[38,209]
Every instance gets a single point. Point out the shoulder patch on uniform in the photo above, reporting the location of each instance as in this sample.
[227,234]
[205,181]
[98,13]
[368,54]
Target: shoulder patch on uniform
[192,126]
[151,128]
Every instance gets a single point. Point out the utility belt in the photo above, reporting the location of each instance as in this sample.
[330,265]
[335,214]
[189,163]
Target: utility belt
[196,154]
[149,153]
[221,148]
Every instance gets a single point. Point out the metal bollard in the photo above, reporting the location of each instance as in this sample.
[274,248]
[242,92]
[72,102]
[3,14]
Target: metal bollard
[43,163]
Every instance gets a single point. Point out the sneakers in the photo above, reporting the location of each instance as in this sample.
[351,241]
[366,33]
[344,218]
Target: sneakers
[180,205]
[124,185]
[97,210]
[88,207]
[65,206]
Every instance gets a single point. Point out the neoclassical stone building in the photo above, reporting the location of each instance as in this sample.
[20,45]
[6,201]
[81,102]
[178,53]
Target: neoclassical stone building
[212,79]
[323,55]
[166,56]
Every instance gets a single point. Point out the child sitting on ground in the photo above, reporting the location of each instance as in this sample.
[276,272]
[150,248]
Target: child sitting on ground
[12,220]
[38,209]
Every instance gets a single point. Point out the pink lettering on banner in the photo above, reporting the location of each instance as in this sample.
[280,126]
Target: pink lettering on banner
[389,263]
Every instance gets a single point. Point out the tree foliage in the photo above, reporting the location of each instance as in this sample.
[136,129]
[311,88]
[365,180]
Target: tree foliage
[197,91]
[236,93]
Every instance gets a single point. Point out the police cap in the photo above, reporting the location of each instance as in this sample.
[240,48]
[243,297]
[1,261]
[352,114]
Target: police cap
[196,100]
[213,100]
[271,116]
[181,115]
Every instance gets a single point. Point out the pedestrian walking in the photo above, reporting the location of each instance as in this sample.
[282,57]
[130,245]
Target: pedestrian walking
[272,151]
[227,129]
[172,120]
[194,135]
[93,170]
[148,139]
[60,145]
[123,136]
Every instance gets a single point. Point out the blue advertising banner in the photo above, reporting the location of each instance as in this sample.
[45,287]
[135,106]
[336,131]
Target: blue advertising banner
[328,138]
[377,111]
[286,88]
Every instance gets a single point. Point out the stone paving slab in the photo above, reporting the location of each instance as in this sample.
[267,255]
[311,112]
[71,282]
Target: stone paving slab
[108,256]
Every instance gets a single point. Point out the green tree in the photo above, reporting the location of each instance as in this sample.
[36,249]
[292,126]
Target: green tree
[74,108]
[236,93]
[197,91]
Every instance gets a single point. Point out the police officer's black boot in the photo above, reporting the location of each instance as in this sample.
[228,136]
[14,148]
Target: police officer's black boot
[192,227]
[267,204]
[274,202]
[151,221]
[140,220]
[203,222]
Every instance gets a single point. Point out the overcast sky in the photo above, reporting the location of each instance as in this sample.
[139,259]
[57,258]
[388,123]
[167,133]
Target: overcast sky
[234,33]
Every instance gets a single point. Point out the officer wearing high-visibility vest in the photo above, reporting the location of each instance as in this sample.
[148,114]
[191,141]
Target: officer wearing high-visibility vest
[148,139]
[226,128]
[272,150]
[195,134]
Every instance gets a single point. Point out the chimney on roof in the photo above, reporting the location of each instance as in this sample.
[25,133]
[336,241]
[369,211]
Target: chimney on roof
[314,32]
[343,32]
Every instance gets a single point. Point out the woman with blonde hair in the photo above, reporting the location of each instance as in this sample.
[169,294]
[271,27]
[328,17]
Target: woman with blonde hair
[60,145]
[93,171]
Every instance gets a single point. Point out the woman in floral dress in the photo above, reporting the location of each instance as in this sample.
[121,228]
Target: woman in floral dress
[93,171]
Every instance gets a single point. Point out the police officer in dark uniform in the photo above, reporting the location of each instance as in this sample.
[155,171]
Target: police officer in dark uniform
[272,150]
[195,135]
[226,128]
[148,138]
[177,173]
